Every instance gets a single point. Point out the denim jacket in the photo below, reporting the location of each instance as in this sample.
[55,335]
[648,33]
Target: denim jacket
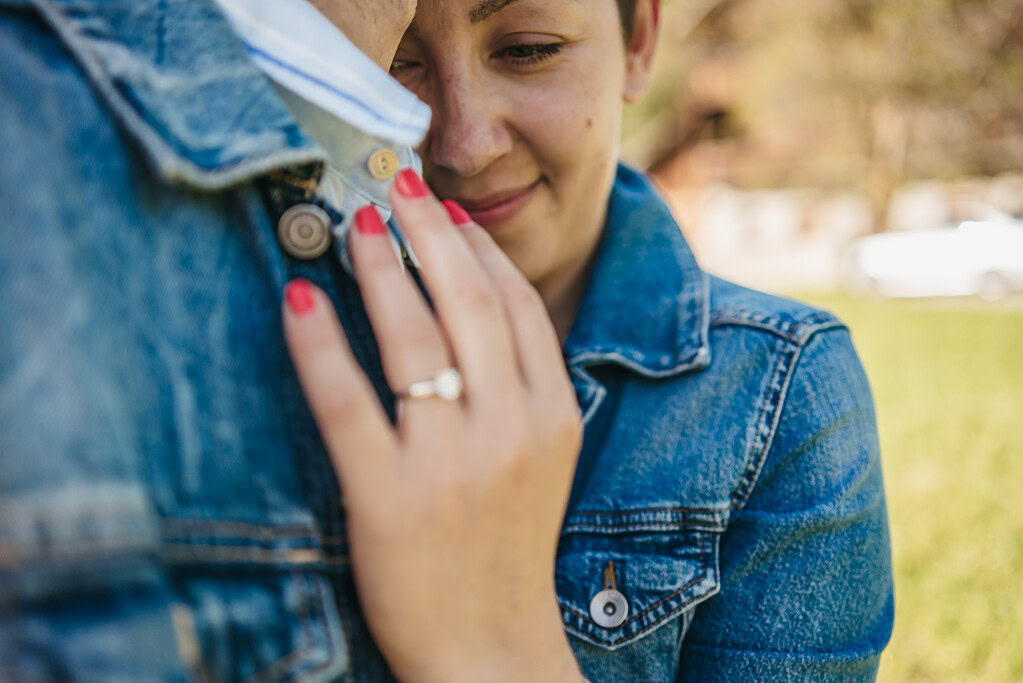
[167,509]
[730,472]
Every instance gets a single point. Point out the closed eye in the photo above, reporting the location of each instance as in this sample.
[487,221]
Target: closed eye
[529,54]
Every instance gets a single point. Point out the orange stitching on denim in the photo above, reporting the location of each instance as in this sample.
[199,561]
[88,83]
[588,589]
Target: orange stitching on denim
[239,553]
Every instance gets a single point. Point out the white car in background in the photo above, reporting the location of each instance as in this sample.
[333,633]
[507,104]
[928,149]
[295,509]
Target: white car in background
[977,257]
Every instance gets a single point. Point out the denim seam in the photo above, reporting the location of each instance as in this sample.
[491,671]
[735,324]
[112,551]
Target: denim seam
[322,601]
[596,391]
[649,627]
[772,406]
[768,411]
[582,528]
[640,615]
[810,317]
[709,511]
[690,359]
[217,554]
[238,529]
[273,671]
[794,332]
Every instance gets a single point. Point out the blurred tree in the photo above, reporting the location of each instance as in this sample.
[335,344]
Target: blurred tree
[837,93]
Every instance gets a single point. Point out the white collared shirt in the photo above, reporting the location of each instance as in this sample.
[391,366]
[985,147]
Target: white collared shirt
[343,99]
[301,50]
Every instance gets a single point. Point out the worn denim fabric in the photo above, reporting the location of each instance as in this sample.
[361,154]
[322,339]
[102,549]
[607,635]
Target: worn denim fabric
[167,509]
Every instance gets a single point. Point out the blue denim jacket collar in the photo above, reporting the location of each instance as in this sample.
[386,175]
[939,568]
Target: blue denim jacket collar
[183,86]
[647,304]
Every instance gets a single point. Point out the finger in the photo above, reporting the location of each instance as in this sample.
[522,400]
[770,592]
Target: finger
[470,310]
[412,346]
[537,345]
[352,423]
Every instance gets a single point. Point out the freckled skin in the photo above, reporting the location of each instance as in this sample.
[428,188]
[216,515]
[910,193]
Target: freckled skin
[499,126]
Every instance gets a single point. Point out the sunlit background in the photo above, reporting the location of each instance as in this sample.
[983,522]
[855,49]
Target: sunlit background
[867,156]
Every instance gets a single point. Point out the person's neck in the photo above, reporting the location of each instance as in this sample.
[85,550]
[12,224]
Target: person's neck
[563,293]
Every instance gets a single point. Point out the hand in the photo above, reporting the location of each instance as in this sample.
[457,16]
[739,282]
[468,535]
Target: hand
[375,26]
[454,515]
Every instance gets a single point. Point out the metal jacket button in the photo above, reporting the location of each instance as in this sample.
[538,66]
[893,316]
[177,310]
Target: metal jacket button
[304,231]
[383,164]
[609,608]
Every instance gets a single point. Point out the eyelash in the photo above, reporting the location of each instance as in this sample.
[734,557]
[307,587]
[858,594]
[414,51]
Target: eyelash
[534,54]
[528,55]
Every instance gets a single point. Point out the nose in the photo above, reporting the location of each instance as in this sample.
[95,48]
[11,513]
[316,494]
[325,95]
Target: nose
[469,130]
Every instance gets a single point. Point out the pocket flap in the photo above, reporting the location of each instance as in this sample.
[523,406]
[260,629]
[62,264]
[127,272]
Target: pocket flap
[661,561]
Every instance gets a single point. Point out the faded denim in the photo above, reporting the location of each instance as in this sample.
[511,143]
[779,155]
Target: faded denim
[167,509]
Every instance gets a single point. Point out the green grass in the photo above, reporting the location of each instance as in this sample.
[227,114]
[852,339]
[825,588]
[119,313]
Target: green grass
[948,381]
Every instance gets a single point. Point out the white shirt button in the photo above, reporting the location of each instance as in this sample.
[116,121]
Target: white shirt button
[383,164]
[304,231]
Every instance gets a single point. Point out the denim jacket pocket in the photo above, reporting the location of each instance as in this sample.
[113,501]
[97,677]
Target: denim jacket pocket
[94,584]
[662,562]
[255,600]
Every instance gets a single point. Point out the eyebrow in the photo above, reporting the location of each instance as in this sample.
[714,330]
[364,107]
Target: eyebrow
[486,9]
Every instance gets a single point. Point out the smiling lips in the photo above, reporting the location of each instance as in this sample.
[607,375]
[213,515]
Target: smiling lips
[493,210]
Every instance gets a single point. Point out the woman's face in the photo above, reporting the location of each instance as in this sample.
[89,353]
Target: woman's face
[527,104]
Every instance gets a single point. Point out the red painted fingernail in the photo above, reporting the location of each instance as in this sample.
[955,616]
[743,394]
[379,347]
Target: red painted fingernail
[299,295]
[368,221]
[459,215]
[410,185]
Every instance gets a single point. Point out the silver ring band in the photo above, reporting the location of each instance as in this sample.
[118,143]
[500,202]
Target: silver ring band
[446,385]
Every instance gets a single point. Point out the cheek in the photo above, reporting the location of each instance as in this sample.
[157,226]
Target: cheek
[571,125]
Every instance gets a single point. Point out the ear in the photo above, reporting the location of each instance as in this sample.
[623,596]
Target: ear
[640,53]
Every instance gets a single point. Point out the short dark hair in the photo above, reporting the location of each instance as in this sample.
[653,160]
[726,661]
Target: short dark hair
[627,10]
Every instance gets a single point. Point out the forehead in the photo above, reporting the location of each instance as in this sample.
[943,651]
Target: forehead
[481,11]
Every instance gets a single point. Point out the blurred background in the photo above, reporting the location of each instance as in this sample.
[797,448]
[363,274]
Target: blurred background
[867,156]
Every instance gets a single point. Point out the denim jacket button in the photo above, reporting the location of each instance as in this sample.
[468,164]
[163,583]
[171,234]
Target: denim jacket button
[383,164]
[304,231]
[609,608]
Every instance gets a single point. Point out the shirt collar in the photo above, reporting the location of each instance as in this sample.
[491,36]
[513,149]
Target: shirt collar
[296,46]
[647,304]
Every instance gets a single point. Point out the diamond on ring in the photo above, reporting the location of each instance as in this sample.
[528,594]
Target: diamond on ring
[446,385]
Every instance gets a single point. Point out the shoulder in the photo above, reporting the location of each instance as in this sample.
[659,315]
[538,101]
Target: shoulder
[817,343]
[732,305]
[804,374]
